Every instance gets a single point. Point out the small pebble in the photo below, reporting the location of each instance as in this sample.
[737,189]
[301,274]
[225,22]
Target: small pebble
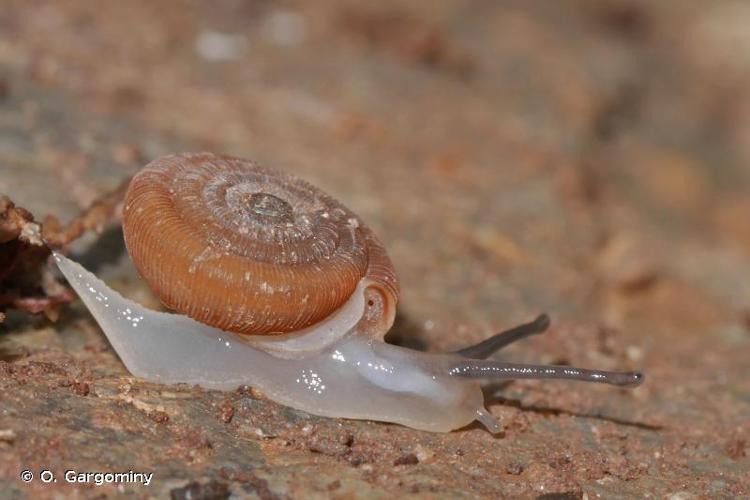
[7,435]
[215,46]
[285,28]
[423,453]
[158,416]
[407,459]
[81,388]
[227,413]
[736,449]
[514,468]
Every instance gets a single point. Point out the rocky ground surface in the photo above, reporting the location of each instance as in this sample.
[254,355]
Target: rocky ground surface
[583,158]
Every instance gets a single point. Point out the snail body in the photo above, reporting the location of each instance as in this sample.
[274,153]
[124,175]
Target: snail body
[278,286]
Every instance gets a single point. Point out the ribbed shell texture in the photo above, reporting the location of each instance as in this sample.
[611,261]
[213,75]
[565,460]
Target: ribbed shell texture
[244,248]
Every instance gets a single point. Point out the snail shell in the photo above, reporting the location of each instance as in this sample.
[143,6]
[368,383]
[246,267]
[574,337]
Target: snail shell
[249,249]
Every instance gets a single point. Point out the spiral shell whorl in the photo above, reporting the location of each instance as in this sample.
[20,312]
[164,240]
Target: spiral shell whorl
[244,248]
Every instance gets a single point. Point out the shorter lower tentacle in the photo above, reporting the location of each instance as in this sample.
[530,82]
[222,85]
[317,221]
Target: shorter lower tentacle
[488,421]
[493,344]
[477,369]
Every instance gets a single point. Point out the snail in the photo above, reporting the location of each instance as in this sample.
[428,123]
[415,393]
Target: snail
[278,286]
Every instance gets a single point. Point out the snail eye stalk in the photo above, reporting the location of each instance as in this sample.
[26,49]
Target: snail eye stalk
[477,368]
[497,370]
[489,346]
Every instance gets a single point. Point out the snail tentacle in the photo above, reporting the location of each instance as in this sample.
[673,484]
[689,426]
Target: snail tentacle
[488,421]
[491,345]
[480,369]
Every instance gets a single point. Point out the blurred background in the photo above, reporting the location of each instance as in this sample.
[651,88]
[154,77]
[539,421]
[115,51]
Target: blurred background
[589,159]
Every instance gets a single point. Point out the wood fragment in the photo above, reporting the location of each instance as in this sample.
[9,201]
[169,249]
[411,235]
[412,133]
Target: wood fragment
[26,282]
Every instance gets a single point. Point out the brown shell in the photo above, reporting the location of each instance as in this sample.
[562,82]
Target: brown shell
[245,248]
